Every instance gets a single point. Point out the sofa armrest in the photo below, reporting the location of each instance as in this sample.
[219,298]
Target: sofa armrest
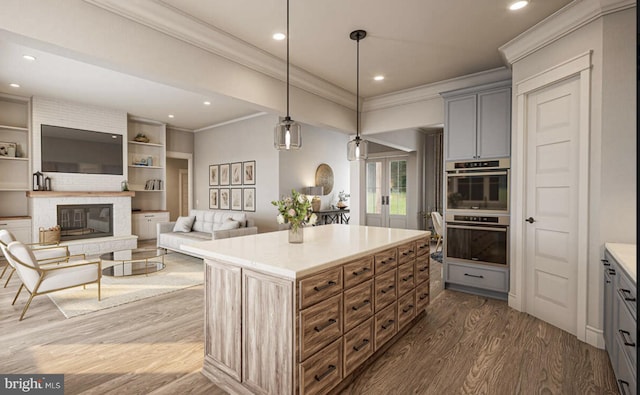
[252,230]
[164,227]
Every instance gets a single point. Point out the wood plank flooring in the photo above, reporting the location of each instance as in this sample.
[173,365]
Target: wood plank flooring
[465,345]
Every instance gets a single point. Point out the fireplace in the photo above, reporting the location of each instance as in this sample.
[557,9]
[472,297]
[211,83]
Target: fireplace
[85,221]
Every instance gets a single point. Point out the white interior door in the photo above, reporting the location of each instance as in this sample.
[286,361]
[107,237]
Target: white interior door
[552,174]
[386,185]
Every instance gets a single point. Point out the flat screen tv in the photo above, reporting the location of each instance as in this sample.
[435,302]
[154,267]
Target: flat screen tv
[67,150]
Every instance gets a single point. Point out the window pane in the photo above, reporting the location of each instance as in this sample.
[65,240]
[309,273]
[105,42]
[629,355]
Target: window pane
[374,188]
[398,185]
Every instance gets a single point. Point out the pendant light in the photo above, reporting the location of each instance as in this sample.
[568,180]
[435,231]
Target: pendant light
[287,134]
[357,149]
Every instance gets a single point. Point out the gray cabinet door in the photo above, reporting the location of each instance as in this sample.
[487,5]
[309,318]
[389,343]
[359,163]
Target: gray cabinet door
[460,127]
[494,124]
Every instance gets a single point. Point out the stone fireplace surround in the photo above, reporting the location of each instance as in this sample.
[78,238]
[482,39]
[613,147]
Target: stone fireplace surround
[43,211]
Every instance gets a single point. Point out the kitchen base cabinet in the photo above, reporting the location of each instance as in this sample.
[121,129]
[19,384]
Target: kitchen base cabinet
[620,325]
[269,334]
[485,280]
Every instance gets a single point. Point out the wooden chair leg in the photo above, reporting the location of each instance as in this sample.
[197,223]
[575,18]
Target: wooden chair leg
[438,243]
[99,296]
[26,307]
[4,270]
[9,278]
[17,293]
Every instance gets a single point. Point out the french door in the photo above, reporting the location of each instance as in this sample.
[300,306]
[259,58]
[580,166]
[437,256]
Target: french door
[386,185]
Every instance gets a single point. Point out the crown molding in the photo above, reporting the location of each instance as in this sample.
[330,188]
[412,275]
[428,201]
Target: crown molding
[432,91]
[564,21]
[217,125]
[173,22]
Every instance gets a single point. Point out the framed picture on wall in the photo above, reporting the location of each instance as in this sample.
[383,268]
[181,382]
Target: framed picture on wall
[249,172]
[236,173]
[214,180]
[236,199]
[224,199]
[224,174]
[214,198]
[249,199]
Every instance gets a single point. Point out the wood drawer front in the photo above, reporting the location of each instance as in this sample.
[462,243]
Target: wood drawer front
[479,277]
[320,325]
[358,346]
[358,304]
[358,271]
[386,290]
[626,333]
[422,269]
[628,293]
[386,326]
[406,309]
[422,296]
[320,287]
[406,252]
[323,371]
[422,247]
[406,278]
[385,260]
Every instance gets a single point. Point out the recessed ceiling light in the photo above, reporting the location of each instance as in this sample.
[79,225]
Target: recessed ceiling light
[207,103]
[28,57]
[516,5]
[14,85]
[279,36]
[171,115]
[378,77]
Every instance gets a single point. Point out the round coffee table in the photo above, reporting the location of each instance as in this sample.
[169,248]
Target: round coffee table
[134,262]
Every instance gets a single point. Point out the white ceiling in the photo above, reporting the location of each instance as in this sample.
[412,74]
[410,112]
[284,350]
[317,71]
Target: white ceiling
[411,42]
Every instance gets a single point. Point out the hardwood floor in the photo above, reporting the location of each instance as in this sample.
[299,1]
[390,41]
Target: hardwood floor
[465,344]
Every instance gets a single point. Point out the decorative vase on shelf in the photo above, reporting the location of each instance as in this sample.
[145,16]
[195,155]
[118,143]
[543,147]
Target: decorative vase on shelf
[296,234]
[341,205]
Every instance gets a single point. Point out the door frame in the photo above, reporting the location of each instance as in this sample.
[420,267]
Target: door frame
[386,158]
[182,173]
[579,66]
[189,158]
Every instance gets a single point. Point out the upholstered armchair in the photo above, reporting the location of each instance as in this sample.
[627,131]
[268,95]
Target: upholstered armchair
[40,280]
[45,254]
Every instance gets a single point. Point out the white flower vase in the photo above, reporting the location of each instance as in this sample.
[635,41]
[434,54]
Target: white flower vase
[296,234]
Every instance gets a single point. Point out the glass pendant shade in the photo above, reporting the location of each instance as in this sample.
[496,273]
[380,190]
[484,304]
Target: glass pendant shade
[287,135]
[357,149]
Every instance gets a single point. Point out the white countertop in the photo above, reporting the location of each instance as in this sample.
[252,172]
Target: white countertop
[625,255]
[324,247]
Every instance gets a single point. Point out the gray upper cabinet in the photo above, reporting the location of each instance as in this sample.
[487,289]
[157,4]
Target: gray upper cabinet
[478,122]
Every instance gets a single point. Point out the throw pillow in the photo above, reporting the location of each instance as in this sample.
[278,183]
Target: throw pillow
[184,224]
[229,224]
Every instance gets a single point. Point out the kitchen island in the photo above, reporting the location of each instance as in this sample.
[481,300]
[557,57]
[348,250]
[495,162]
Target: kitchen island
[286,318]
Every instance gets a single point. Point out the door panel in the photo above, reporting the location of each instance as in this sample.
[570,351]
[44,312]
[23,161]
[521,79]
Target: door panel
[552,185]
[386,185]
[374,180]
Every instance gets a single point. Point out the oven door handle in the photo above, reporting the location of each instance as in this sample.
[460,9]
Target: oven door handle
[504,229]
[480,173]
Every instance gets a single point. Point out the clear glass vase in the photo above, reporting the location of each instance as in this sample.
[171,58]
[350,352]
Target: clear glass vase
[296,234]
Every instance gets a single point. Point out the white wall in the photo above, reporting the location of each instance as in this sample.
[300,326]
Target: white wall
[246,140]
[298,168]
[612,188]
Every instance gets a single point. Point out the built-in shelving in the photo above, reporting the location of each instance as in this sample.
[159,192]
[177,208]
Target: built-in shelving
[146,161]
[15,170]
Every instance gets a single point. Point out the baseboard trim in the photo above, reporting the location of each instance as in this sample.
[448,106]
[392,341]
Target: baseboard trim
[595,337]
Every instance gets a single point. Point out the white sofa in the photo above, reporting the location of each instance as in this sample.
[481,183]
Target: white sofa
[207,225]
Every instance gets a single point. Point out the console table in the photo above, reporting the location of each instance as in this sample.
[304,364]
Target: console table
[335,216]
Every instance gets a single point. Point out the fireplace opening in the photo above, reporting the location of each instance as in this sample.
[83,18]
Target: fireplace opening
[85,221]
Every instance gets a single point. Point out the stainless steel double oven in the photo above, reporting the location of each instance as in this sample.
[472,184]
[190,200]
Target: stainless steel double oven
[477,211]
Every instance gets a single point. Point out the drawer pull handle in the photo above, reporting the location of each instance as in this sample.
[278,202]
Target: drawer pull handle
[409,277]
[473,275]
[612,272]
[326,373]
[388,260]
[424,268]
[325,326]
[323,287]
[361,271]
[407,309]
[623,335]
[622,385]
[424,296]
[605,262]
[423,246]
[361,305]
[389,288]
[387,324]
[4,224]
[361,345]
[623,292]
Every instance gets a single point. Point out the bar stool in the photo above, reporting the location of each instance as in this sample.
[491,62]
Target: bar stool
[64,219]
[77,218]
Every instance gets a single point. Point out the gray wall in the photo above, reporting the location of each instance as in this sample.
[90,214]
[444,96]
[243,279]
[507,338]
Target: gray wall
[179,140]
[173,201]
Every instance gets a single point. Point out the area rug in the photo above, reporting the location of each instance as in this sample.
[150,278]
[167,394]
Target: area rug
[437,256]
[181,272]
